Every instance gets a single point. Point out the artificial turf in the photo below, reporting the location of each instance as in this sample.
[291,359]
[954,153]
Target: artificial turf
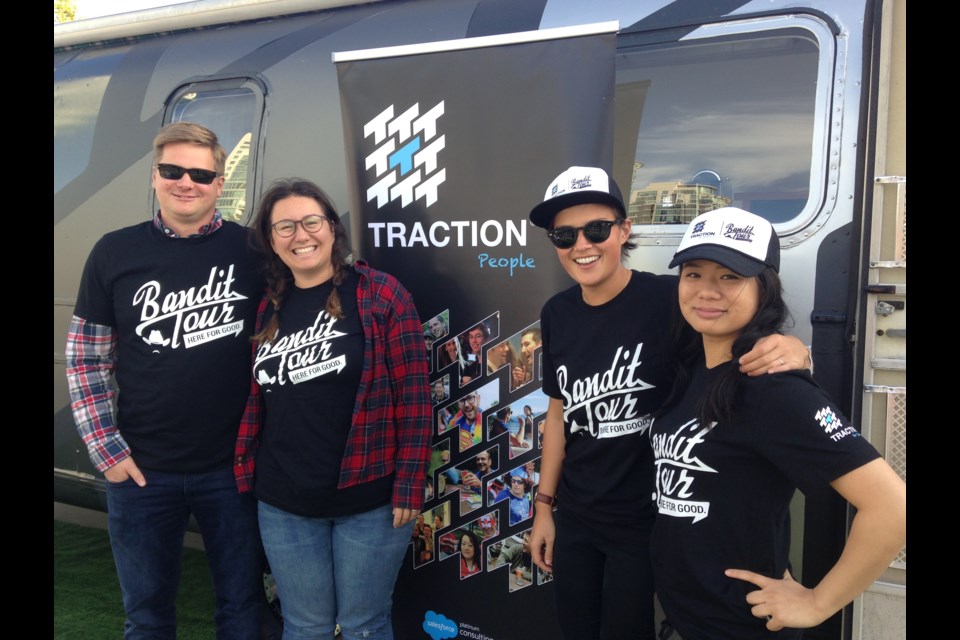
[86,594]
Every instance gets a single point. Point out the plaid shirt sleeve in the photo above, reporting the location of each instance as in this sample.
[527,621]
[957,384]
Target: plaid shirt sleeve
[408,366]
[392,418]
[91,359]
[248,435]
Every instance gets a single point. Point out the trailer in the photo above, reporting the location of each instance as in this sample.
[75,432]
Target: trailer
[792,109]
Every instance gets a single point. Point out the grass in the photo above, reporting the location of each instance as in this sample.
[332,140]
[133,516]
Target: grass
[86,594]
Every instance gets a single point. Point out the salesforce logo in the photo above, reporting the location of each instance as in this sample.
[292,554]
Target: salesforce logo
[438,626]
[405,160]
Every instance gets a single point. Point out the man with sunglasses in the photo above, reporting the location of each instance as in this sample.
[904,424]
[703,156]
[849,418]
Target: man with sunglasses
[177,297]
[607,351]
[519,495]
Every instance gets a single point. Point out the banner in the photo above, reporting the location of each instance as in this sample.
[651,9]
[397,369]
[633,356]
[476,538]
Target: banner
[449,146]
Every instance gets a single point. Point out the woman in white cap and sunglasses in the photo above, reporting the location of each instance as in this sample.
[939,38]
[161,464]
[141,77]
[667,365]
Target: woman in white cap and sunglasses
[730,450]
[607,366]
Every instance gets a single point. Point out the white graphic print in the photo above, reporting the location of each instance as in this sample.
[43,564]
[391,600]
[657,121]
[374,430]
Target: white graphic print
[830,422]
[828,419]
[405,160]
[191,317]
[676,469]
[300,356]
[604,404]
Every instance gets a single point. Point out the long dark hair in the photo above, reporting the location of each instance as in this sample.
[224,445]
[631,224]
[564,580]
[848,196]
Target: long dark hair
[476,546]
[278,275]
[718,403]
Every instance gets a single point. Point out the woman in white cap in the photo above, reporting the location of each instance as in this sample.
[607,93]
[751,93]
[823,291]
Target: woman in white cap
[730,451]
[607,366]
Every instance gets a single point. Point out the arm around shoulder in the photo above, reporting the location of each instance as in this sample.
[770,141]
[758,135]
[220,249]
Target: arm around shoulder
[776,353]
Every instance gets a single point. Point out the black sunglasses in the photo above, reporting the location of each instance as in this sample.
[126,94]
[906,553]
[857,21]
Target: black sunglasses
[595,231]
[175,172]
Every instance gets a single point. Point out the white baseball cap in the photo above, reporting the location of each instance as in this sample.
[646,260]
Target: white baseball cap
[741,241]
[577,185]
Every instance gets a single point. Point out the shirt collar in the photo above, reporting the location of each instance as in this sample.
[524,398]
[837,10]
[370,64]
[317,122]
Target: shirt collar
[205,230]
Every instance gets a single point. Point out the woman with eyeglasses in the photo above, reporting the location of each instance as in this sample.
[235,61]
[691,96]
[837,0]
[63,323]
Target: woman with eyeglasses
[607,365]
[730,452]
[337,427]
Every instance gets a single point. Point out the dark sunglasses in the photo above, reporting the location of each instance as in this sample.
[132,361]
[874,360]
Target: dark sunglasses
[175,172]
[595,231]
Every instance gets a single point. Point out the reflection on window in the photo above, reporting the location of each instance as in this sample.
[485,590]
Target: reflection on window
[230,114]
[713,123]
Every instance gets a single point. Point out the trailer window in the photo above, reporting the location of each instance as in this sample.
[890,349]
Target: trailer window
[231,109]
[722,119]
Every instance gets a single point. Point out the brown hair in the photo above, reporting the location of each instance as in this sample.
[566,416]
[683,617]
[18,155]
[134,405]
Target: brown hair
[278,275]
[190,133]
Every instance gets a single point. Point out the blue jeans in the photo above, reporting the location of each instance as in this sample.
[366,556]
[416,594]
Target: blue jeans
[331,570]
[147,525]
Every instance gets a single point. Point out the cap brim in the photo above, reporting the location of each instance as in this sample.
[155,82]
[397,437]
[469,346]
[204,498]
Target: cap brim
[733,260]
[544,213]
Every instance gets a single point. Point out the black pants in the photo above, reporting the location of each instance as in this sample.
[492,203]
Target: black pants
[603,580]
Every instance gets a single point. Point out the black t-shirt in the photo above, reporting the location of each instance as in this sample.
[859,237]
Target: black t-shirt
[609,365]
[309,376]
[724,494]
[182,310]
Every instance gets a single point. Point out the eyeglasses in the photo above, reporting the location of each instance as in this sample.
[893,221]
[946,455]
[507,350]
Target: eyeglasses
[595,231]
[175,172]
[516,480]
[310,224]
[467,399]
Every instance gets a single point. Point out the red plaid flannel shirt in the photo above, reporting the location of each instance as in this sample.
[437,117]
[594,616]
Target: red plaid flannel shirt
[391,430]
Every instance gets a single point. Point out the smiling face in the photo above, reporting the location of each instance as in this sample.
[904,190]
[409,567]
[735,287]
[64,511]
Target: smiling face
[517,486]
[527,345]
[308,255]
[483,461]
[476,338]
[467,548]
[596,267]
[436,327]
[715,301]
[185,206]
[468,405]
[497,356]
[438,389]
[451,348]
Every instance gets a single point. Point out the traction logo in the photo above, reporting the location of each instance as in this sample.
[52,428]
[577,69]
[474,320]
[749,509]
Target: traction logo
[828,420]
[405,160]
